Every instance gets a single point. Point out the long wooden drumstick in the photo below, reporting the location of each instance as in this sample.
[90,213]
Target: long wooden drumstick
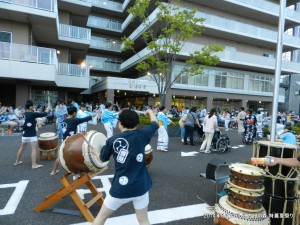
[94,151]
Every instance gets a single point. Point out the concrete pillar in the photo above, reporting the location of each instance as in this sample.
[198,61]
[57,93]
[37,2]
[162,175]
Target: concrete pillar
[169,96]
[110,94]
[22,93]
[208,103]
[244,103]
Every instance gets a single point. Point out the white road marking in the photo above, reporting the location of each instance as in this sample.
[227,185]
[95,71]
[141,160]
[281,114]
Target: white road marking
[161,216]
[235,147]
[189,153]
[105,183]
[241,145]
[15,198]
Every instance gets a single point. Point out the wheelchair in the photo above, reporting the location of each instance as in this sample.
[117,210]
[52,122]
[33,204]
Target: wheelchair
[220,142]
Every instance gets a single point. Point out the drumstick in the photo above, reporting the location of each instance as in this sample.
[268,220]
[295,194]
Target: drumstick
[88,143]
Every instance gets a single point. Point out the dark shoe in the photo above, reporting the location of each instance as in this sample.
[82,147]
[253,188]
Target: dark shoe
[185,143]
[192,144]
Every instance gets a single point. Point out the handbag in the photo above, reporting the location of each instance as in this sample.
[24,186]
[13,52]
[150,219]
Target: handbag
[195,124]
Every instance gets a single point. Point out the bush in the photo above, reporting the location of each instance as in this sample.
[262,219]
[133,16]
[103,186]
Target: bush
[296,130]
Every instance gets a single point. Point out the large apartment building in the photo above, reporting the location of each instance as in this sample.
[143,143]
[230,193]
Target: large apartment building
[72,50]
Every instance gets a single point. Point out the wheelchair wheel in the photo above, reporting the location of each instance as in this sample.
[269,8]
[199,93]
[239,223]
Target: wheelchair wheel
[197,138]
[222,145]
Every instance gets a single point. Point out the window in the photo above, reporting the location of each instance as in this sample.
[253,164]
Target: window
[260,83]
[5,36]
[5,44]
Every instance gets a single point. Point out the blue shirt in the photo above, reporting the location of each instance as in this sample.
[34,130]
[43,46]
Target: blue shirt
[131,177]
[69,125]
[30,123]
[288,138]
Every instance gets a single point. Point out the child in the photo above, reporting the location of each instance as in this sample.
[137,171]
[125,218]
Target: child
[69,127]
[163,121]
[131,181]
[109,118]
[60,113]
[29,134]
[81,113]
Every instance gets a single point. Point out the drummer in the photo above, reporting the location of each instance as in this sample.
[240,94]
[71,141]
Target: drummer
[29,134]
[132,181]
[69,128]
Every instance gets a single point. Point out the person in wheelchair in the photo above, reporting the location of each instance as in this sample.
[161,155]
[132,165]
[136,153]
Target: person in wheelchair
[220,142]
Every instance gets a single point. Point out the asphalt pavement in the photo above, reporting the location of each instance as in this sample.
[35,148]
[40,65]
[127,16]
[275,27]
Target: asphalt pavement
[179,195]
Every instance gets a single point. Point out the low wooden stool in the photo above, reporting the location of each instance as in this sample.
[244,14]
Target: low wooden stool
[69,188]
[48,154]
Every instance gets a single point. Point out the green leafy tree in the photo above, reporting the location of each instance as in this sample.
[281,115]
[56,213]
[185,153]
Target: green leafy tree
[166,39]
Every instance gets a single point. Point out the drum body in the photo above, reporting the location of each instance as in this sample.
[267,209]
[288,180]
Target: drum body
[281,187]
[228,215]
[48,141]
[276,149]
[245,200]
[148,155]
[281,210]
[75,153]
[247,177]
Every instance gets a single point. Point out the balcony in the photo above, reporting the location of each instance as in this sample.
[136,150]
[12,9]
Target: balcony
[78,7]
[104,24]
[106,4]
[74,34]
[104,64]
[233,30]
[40,64]
[27,62]
[110,5]
[262,10]
[37,4]
[234,59]
[105,44]
[73,75]
[38,11]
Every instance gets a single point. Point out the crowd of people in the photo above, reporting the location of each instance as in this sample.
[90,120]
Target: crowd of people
[132,182]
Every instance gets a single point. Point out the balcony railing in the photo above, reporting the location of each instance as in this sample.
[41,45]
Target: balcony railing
[233,25]
[48,5]
[73,70]
[270,6]
[100,63]
[74,32]
[104,23]
[27,53]
[105,43]
[107,4]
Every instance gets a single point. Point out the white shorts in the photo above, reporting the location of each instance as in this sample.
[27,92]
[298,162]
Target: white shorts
[139,202]
[29,139]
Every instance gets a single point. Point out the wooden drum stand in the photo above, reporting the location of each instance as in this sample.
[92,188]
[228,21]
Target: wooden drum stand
[69,188]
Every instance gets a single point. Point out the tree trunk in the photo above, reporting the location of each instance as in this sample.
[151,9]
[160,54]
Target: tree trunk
[162,99]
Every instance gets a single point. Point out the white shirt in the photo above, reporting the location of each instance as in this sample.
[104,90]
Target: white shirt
[210,124]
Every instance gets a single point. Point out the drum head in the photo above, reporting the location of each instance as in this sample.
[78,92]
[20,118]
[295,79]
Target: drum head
[96,140]
[247,169]
[48,135]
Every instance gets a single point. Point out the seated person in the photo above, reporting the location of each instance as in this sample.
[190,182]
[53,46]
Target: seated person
[288,137]
[7,119]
